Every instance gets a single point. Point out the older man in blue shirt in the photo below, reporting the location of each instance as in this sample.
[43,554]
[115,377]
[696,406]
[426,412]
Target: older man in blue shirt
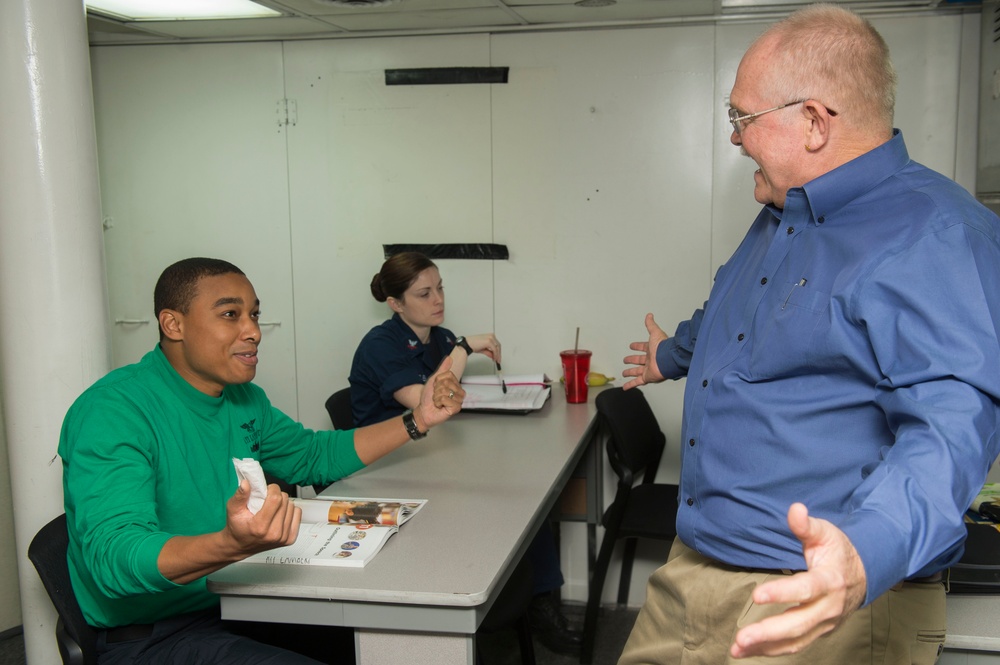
[841,407]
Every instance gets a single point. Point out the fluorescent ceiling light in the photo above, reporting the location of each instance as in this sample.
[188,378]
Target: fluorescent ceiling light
[789,5]
[174,10]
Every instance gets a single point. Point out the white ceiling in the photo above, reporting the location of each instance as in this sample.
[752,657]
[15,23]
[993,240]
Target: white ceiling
[308,19]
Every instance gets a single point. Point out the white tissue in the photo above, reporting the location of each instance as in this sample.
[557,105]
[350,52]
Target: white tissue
[251,470]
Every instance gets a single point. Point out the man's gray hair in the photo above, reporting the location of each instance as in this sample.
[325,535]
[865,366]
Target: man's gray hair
[830,54]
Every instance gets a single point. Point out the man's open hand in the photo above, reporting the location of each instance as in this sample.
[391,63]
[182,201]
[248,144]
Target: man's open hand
[829,591]
[645,370]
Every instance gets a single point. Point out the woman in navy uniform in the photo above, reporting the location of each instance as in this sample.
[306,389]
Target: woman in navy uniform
[394,359]
[390,367]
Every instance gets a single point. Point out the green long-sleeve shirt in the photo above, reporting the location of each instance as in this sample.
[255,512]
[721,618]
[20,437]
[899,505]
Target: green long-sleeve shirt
[147,457]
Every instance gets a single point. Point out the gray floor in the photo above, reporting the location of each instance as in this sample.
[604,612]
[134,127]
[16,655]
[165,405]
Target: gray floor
[613,628]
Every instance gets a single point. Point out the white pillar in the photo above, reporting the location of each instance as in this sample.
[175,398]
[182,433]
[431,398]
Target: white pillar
[54,330]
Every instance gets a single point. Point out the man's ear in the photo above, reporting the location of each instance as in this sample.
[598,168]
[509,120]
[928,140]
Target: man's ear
[172,324]
[818,132]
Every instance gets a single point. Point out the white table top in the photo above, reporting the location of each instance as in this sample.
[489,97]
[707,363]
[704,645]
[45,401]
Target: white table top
[489,480]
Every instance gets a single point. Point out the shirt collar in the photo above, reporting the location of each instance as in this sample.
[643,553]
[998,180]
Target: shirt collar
[194,398]
[832,191]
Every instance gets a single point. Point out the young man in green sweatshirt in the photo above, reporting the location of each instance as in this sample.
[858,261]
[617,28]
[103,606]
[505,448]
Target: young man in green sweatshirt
[148,476]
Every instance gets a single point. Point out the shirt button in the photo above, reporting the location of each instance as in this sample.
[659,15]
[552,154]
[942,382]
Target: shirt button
[821,220]
[690,502]
[704,384]
[691,442]
[739,338]
[763,281]
[790,230]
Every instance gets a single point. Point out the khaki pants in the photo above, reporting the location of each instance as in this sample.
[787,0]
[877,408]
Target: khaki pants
[694,607]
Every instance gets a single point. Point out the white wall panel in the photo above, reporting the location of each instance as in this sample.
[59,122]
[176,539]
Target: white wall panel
[602,172]
[192,163]
[926,51]
[373,164]
[733,205]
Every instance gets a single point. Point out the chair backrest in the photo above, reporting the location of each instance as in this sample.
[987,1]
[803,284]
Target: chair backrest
[338,405]
[77,641]
[635,441]
[339,408]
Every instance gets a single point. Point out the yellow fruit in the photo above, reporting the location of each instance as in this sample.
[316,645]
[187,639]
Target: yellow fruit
[597,379]
[594,379]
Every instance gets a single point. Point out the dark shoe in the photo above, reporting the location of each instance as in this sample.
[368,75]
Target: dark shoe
[550,626]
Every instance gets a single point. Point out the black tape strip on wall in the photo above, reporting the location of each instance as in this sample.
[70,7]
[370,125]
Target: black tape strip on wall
[460,250]
[446,75]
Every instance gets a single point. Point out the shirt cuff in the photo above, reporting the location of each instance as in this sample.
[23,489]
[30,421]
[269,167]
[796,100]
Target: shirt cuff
[148,555]
[666,362]
[873,538]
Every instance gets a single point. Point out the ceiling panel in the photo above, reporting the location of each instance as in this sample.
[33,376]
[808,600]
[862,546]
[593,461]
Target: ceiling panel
[424,20]
[625,10]
[312,18]
[313,8]
[250,28]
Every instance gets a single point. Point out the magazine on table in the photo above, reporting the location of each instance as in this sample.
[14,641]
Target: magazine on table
[525,392]
[340,531]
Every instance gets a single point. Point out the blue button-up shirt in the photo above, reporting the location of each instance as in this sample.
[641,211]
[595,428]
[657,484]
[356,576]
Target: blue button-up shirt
[847,358]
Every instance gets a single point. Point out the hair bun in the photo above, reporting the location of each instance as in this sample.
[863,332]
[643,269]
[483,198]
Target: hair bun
[376,287]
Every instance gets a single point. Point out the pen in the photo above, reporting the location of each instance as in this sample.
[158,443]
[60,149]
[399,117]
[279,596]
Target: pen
[802,282]
[503,385]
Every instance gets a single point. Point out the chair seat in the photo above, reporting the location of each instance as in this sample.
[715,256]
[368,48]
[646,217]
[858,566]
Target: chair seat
[651,512]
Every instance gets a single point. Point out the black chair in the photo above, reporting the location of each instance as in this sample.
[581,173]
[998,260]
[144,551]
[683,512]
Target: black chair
[339,408]
[646,510]
[338,405]
[76,640]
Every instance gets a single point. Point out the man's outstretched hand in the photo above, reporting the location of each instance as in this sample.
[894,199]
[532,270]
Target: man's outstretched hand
[824,595]
[645,370]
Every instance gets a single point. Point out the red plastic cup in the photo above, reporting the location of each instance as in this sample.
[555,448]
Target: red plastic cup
[576,366]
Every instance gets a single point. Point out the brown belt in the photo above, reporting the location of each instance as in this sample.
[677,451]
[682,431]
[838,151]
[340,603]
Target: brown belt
[933,578]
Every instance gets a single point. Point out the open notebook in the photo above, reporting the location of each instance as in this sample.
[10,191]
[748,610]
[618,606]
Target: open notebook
[525,393]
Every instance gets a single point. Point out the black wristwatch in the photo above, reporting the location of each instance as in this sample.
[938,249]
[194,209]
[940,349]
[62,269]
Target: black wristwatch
[460,341]
[411,425]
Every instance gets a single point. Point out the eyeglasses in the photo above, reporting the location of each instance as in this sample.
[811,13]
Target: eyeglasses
[741,121]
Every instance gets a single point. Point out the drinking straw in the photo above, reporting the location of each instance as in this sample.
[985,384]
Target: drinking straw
[576,344]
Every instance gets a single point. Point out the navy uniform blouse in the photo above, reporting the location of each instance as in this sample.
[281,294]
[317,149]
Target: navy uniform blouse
[391,357]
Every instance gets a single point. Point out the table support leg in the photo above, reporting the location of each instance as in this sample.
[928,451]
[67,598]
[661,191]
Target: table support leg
[377,647]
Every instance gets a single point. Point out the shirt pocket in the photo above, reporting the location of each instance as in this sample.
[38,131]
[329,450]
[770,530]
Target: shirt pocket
[791,332]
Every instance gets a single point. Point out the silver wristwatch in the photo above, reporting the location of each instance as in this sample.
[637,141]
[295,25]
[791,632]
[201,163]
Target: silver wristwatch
[411,425]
